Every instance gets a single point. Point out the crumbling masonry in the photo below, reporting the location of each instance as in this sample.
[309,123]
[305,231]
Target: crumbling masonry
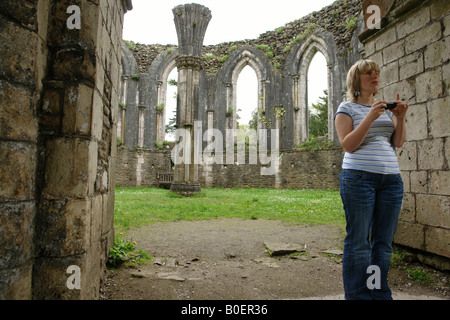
[59,90]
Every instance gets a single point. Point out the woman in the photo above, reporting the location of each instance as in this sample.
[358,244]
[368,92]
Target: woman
[371,186]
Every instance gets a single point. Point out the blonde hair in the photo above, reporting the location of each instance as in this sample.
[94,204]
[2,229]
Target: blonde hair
[353,80]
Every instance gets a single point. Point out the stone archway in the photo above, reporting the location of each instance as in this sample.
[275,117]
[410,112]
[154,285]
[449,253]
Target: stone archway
[161,110]
[299,62]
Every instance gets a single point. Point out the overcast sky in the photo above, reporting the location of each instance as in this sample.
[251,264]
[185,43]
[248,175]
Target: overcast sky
[151,22]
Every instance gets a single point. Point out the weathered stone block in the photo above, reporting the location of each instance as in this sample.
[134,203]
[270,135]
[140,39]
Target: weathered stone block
[16,233]
[433,210]
[446,22]
[18,57]
[429,85]
[410,234]
[17,171]
[417,122]
[97,117]
[437,240]
[406,181]
[100,72]
[419,181]
[439,117]
[447,153]
[50,277]
[15,283]
[408,212]
[407,156]
[413,22]
[378,58]
[17,115]
[96,219]
[446,77]
[63,227]
[78,105]
[439,8]
[50,115]
[436,53]
[394,52]
[440,183]
[52,102]
[405,88]
[423,37]
[90,19]
[390,73]
[74,64]
[435,261]
[431,154]
[108,213]
[70,168]
[411,65]
[25,16]
[388,37]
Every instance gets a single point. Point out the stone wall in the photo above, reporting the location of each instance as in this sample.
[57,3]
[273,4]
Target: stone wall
[412,48]
[59,90]
[280,59]
[141,168]
[298,169]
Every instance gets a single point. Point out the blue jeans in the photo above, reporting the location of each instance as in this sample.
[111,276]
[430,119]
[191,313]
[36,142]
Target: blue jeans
[372,204]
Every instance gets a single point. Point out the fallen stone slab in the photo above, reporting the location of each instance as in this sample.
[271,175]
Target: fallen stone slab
[279,249]
[334,251]
[170,276]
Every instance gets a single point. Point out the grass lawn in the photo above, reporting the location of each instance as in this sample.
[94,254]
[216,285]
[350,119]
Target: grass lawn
[136,207]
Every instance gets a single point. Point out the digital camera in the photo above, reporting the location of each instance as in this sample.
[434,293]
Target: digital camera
[391,105]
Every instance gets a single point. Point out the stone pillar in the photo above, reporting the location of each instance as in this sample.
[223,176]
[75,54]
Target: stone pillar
[191,21]
[76,150]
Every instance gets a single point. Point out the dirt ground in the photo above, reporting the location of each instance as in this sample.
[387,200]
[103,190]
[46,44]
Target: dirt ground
[227,259]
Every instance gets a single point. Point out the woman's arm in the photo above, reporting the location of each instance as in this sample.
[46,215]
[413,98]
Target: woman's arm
[350,138]
[399,136]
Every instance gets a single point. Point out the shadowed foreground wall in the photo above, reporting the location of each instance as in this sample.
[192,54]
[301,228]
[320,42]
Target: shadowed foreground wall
[59,89]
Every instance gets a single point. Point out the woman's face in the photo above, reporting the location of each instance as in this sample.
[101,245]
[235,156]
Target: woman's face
[370,81]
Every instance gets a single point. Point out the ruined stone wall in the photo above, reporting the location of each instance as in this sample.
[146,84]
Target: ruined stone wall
[59,90]
[280,59]
[141,168]
[299,169]
[412,48]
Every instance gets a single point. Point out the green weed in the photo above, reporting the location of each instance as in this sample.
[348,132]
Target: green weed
[419,275]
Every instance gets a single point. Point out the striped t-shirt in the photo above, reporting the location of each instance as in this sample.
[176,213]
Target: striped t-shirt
[375,154]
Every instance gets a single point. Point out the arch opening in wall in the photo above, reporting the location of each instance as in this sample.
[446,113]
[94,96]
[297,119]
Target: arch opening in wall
[317,96]
[247,99]
[170,114]
[166,103]
[250,60]
[304,57]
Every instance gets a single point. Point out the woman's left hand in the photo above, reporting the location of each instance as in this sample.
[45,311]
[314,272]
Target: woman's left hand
[401,108]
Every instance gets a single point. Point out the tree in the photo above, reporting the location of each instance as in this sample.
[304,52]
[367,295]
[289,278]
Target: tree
[253,123]
[318,117]
[170,126]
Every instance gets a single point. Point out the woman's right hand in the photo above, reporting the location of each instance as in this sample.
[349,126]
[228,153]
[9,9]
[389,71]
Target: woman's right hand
[377,109]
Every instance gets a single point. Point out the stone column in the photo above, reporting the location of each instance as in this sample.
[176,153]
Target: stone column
[191,21]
